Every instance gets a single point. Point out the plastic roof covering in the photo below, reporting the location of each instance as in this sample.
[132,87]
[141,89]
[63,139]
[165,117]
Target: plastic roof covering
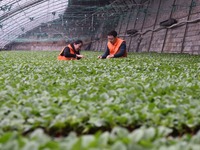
[20,16]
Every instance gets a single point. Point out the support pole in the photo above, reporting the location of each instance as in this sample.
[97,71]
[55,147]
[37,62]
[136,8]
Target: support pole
[167,28]
[140,38]
[186,28]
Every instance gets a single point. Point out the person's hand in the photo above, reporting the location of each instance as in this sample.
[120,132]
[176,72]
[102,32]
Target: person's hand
[110,56]
[80,56]
[100,57]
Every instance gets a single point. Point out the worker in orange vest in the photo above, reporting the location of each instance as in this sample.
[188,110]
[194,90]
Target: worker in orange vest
[71,51]
[116,47]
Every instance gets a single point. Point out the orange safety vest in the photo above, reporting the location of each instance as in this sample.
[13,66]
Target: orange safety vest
[114,49]
[67,58]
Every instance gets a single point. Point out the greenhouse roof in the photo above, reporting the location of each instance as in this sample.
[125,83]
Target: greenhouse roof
[20,16]
[55,20]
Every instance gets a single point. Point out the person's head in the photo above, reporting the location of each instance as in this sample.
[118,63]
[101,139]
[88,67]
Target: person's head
[112,36]
[78,44]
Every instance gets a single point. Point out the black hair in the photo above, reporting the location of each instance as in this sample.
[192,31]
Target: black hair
[78,42]
[112,33]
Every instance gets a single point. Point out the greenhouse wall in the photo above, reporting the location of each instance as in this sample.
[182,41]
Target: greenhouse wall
[124,15]
[182,38]
[40,46]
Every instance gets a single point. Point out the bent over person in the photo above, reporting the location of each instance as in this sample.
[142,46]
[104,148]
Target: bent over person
[71,51]
[116,47]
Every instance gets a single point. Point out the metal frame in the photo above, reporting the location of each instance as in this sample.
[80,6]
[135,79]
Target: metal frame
[19,16]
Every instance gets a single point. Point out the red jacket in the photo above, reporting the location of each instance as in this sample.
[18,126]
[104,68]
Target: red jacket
[114,49]
[67,58]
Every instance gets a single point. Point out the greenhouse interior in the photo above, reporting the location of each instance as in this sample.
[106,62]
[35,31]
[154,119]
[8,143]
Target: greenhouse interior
[99,74]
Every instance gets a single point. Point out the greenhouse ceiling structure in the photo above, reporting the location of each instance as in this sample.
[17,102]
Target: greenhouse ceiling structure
[18,17]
